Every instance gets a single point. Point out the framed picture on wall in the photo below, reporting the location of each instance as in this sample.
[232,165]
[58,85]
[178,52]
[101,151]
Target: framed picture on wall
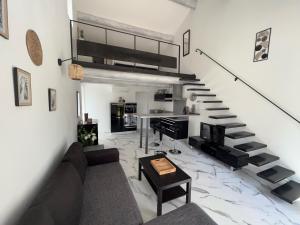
[4,19]
[186,43]
[78,100]
[262,45]
[52,99]
[22,86]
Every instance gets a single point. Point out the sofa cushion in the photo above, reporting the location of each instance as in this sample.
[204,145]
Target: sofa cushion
[108,199]
[76,156]
[102,156]
[37,215]
[189,214]
[64,195]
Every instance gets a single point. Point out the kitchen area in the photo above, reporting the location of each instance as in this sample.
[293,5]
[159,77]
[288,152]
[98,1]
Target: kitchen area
[172,123]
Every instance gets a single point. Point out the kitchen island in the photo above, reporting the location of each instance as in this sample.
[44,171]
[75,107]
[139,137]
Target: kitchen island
[147,118]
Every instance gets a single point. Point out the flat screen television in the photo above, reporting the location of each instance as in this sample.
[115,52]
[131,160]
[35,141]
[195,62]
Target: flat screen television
[206,131]
[213,134]
[218,135]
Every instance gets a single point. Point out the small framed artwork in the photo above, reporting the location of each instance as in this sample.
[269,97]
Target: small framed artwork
[52,99]
[186,42]
[4,19]
[22,86]
[78,100]
[262,44]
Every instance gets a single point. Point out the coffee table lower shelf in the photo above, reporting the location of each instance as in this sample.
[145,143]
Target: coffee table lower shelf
[173,193]
[166,192]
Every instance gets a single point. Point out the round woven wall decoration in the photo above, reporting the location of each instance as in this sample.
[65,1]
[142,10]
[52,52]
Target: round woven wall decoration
[34,47]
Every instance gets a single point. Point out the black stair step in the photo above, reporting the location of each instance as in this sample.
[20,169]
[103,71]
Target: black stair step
[219,117]
[250,146]
[198,89]
[193,84]
[189,79]
[275,174]
[262,159]
[232,125]
[289,192]
[213,101]
[217,109]
[205,95]
[241,134]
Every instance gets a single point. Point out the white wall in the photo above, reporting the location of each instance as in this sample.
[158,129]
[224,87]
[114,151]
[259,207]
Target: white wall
[157,15]
[32,138]
[226,31]
[97,98]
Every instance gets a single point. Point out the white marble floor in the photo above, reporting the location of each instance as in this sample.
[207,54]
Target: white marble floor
[230,198]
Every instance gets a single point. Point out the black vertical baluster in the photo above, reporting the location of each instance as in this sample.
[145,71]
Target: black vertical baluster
[106,43]
[71,36]
[158,53]
[134,48]
[179,58]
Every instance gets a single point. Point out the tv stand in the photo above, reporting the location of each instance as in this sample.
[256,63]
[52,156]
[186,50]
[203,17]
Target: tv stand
[230,156]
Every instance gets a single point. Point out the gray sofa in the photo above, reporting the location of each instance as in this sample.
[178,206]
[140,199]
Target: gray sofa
[90,188]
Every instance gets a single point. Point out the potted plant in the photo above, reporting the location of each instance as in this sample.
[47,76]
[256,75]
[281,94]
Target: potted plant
[87,138]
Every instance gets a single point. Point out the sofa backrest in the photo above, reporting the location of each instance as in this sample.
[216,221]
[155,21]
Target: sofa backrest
[60,200]
[76,156]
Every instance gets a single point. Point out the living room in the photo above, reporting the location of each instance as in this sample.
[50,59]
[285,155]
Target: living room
[98,95]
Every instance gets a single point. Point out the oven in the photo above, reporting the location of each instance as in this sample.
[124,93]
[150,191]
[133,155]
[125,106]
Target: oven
[130,122]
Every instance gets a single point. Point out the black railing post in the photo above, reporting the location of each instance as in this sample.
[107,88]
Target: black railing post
[158,51]
[237,78]
[106,42]
[179,60]
[71,37]
[134,48]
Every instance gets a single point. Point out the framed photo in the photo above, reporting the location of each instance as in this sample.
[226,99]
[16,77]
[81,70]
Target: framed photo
[4,19]
[78,100]
[22,86]
[186,42]
[52,99]
[262,44]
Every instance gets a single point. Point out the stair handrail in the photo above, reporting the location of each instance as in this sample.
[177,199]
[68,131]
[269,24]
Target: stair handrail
[237,78]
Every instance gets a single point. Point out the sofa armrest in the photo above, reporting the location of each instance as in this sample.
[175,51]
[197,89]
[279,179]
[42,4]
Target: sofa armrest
[189,214]
[102,156]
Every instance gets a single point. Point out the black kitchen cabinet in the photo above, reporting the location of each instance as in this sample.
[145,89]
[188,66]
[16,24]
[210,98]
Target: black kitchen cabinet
[161,97]
[175,128]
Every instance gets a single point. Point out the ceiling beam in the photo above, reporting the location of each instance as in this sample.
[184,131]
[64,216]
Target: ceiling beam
[85,17]
[192,4]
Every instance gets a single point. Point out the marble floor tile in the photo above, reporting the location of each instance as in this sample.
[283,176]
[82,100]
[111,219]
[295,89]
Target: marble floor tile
[229,197]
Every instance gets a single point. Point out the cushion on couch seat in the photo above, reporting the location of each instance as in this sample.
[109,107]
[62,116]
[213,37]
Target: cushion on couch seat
[76,156]
[102,156]
[64,195]
[108,199]
[37,215]
[189,214]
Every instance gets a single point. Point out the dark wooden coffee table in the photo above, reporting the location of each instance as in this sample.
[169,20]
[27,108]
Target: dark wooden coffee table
[167,187]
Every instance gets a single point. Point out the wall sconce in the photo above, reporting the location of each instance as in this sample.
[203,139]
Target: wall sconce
[75,70]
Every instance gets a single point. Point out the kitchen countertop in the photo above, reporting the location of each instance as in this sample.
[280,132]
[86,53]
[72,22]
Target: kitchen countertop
[163,115]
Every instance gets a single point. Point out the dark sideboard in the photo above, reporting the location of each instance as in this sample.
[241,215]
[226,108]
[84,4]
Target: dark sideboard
[226,154]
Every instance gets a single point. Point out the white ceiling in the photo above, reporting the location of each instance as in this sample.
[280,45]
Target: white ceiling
[162,16]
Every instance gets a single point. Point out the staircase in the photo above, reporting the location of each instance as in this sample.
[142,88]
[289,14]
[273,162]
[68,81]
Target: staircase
[290,191]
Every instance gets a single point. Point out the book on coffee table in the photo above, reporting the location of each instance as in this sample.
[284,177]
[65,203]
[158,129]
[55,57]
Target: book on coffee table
[163,166]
